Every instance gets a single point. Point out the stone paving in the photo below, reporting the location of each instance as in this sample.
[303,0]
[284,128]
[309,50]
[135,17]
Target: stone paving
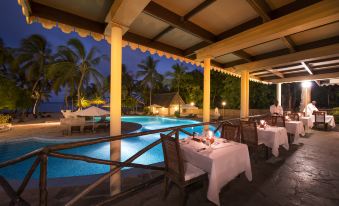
[307,174]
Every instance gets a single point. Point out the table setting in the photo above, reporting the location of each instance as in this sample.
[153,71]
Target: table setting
[294,127]
[222,159]
[272,137]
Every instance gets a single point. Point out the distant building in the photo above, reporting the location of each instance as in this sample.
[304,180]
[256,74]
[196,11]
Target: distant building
[166,104]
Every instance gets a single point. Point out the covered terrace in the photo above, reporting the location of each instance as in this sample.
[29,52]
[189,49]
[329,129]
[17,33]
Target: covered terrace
[269,41]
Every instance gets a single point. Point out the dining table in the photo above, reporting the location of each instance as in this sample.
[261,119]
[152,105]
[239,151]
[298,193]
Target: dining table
[307,121]
[273,137]
[296,128]
[329,119]
[223,161]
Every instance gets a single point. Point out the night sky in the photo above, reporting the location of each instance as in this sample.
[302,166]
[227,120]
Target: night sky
[14,28]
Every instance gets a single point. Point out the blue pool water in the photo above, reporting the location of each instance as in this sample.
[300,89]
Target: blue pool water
[66,168]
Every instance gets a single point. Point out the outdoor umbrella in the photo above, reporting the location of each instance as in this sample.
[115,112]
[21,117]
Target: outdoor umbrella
[92,112]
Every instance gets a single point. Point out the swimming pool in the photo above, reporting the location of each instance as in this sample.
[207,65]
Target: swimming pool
[67,168]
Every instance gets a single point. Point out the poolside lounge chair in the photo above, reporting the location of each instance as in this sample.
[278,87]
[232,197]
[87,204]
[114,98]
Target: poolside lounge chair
[177,171]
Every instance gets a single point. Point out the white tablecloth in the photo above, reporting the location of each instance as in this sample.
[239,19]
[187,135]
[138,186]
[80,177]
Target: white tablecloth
[328,119]
[296,128]
[273,137]
[225,162]
[307,121]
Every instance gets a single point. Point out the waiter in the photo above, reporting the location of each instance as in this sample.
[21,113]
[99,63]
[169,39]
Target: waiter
[276,109]
[310,108]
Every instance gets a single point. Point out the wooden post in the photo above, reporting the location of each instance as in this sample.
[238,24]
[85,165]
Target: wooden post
[43,180]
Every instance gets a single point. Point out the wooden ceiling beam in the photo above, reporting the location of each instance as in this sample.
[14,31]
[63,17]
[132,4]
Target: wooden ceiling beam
[243,55]
[315,15]
[288,42]
[262,9]
[176,21]
[135,38]
[123,14]
[198,9]
[284,10]
[162,33]
[302,77]
[42,11]
[275,72]
[307,67]
[297,57]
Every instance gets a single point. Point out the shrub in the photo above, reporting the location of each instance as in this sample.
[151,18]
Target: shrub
[335,113]
[4,118]
[146,110]
[177,114]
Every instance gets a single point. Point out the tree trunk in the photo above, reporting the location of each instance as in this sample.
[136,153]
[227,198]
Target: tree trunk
[66,101]
[35,107]
[79,90]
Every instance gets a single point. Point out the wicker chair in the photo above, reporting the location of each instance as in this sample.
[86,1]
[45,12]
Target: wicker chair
[249,136]
[294,116]
[278,121]
[230,131]
[320,118]
[177,171]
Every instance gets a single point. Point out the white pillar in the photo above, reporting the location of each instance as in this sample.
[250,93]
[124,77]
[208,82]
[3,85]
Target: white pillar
[279,93]
[207,90]
[115,102]
[244,101]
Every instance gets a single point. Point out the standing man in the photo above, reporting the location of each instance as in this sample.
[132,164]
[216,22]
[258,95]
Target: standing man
[310,108]
[276,109]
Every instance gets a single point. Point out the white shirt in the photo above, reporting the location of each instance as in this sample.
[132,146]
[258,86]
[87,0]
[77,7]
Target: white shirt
[309,109]
[276,109]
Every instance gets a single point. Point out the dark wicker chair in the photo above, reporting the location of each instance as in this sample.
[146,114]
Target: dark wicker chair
[278,121]
[320,119]
[177,171]
[293,116]
[249,136]
[230,131]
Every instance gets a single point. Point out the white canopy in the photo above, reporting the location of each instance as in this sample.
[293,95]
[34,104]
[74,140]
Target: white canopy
[188,106]
[92,112]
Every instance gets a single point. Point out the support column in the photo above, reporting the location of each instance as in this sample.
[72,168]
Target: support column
[207,87]
[115,103]
[305,96]
[279,93]
[244,104]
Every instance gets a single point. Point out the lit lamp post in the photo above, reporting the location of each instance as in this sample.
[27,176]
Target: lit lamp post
[192,104]
[223,109]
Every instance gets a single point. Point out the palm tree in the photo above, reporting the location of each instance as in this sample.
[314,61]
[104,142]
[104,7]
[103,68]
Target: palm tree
[149,74]
[82,63]
[177,76]
[34,55]
[64,74]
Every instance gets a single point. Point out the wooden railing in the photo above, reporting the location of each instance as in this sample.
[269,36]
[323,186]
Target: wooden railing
[41,158]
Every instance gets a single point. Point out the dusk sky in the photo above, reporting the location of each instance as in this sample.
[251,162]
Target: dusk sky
[14,27]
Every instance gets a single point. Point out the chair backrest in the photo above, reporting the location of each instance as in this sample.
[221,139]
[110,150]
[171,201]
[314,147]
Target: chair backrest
[249,133]
[278,121]
[173,159]
[320,117]
[294,116]
[230,131]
